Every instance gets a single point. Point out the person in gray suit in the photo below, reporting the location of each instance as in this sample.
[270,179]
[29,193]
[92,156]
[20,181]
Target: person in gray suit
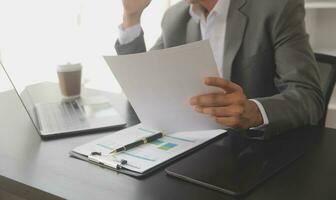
[269,75]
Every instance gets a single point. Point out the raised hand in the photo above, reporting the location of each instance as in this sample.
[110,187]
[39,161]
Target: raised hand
[132,11]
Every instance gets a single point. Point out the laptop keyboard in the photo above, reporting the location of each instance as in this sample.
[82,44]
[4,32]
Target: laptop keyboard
[61,117]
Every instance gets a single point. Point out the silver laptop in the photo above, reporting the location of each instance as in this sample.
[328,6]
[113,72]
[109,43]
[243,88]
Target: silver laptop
[62,118]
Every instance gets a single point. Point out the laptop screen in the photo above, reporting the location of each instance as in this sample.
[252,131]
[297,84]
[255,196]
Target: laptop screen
[23,96]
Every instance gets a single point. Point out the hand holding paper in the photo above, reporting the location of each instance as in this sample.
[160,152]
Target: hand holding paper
[229,107]
[160,83]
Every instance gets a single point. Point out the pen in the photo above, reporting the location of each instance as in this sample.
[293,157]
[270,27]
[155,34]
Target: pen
[138,143]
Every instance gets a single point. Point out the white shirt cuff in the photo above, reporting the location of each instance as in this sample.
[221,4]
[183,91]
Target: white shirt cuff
[128,35]
[263,113]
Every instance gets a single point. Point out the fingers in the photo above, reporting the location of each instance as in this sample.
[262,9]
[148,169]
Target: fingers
[226,85]
[233,122]
[217,100]
[210,100]
[227,108]
[230,111]
[227,116]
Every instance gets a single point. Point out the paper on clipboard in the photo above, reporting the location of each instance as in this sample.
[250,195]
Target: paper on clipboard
[146,156]
[160,83]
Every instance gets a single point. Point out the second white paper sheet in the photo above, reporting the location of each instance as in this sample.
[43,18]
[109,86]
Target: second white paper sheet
[160,83]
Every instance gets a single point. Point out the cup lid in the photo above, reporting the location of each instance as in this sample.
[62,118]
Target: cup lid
[69,67]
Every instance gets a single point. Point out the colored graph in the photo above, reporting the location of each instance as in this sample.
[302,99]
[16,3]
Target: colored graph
[157,142]
[163,145]
[167,146]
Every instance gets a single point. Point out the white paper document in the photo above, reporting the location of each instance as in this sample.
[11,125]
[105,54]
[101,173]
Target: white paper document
[160,83]
[146,156]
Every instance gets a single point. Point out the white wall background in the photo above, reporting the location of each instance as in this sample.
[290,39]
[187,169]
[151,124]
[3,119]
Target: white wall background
[321,25]
[38,35]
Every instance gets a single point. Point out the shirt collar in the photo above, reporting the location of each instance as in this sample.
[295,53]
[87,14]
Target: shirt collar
[220,9]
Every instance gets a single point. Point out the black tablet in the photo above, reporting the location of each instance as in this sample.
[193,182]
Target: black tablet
[236,164]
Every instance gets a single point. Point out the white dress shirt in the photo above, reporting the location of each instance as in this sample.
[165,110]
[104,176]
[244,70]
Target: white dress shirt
[213,28]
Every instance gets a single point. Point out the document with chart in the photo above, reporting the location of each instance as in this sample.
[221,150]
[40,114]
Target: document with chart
[159,85]
[147,156]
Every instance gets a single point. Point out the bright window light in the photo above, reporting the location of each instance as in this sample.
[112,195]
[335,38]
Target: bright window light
[38,35]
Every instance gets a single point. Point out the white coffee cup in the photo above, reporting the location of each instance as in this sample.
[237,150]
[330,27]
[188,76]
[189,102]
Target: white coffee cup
[69,77]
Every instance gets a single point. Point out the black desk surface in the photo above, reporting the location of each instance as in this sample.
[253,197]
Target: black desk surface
[35,169]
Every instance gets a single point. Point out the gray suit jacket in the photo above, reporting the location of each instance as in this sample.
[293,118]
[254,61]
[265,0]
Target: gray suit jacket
[266,52]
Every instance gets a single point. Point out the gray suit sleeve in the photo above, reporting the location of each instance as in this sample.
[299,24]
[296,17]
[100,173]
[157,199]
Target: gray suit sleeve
[137,46]
[300,101]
